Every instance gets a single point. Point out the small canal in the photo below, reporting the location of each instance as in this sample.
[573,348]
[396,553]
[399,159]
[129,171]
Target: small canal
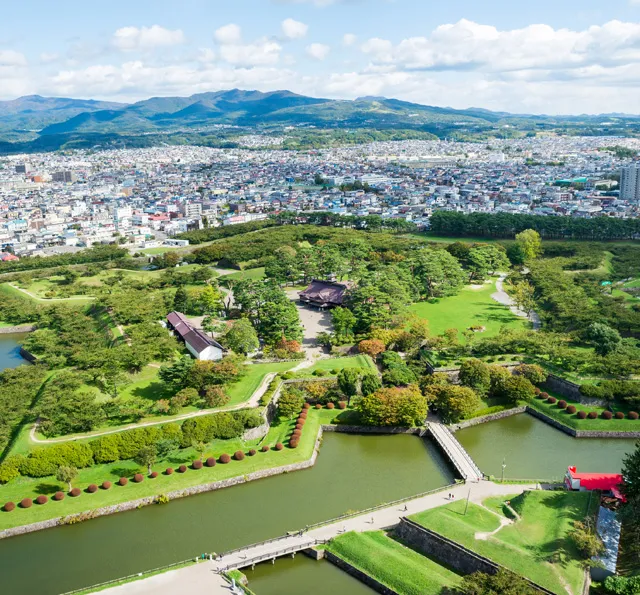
[10,350]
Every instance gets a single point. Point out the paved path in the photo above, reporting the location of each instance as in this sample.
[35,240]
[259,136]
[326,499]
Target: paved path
[313,321]
[458,456]
[203,578]
[502,297]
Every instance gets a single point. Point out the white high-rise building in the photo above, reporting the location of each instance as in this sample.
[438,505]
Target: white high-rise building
[630,183]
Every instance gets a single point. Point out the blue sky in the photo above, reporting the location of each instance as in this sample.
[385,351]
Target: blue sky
[563,56]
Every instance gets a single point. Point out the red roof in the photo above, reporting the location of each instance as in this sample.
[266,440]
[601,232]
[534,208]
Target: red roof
[597,481]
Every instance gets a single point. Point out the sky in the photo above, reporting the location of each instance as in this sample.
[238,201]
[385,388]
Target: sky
[547,56]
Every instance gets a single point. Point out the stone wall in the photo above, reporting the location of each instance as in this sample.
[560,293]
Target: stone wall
[28,356]
[579,433]
[361,576]
[23,328]
[199,489]
[486,418]
[373,430]
[447,552]
[569,390]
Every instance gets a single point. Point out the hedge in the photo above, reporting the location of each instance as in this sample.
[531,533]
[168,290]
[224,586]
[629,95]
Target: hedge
[42,461]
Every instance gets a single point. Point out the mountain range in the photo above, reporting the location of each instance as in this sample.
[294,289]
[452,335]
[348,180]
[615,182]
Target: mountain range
[33,118]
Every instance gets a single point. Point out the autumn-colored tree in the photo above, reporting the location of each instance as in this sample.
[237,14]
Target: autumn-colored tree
[394,407]
[372,347]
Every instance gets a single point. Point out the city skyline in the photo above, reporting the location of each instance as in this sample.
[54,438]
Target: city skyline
[569,59]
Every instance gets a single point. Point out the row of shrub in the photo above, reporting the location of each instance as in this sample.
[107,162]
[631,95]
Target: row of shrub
[572,409]
[223,459]
[265,399]
[296,434]
[46,460]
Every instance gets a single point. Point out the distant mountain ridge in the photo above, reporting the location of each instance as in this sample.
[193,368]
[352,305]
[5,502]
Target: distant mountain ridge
[32,118]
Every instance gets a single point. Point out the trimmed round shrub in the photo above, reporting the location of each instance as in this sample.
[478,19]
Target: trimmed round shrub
[123,481]
[544,395]
[279,446]
[562,404]
[632,415]
[552,400]
[42,499]
[293,443]
[92,489]
[303,415]
[26,503]
[330,406]
[265,448]
[106,485]
[197,464]
[58,496]
[318,406]
[75,492]
[252,452]
[9,506]
[238,455]
[342,405]
[211,462]
[138,477]
[607,415]
[169,471]
[153,475]
[592,415]
[225,458]
[537,390]
[571,409]
[307,405]
[296,433]
[299,427]
[582,415]
[619,415]
[182,469]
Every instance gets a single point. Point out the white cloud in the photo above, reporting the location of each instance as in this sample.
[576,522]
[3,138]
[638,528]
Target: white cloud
[47,58]
[293,29]
[144,38]
[228,35]
[12,58]
[318,51]
[349,39]
[262,52]
[206,55]
[634,2]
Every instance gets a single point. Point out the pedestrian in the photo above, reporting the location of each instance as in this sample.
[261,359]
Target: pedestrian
[406,508]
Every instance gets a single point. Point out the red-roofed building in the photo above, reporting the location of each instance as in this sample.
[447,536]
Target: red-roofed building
[605,482]
[7,256]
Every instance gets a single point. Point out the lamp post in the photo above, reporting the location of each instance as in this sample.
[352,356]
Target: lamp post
[504,466]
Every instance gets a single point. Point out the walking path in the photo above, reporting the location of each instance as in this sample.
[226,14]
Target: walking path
[458,456]
[502,297]
[33,296]
[203,578]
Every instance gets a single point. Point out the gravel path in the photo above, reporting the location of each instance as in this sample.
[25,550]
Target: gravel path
[502,297]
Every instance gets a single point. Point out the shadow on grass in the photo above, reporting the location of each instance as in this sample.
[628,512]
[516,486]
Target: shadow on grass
[47,488]
[122,471]
[153,392]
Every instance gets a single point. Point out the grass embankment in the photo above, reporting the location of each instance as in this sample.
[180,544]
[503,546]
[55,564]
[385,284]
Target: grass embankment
[598,424]
[392,564]
[537,546]
[340,363]
[471,307]
[247,275]
[79,302]
[26,487]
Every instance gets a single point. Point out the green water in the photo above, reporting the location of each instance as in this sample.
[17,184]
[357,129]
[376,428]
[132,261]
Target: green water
[532,449]
[303,575]
[351,473]
[10,350]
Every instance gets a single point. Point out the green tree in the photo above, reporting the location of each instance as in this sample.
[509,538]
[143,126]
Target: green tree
[290,402]
[181,300]
[586,539]
[278,320]
[147,456]
[177,374]
[518,388]
[604,338]
[522,294]
[344,322]
[393,407]
[453,403]
[370,383]
[476,375]
[501,583]
[211,299]
[66,474]
[241,337]
[529,243]
[348,380]
[438,272]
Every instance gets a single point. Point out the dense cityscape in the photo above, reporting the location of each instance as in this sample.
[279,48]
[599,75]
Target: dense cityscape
[140,197]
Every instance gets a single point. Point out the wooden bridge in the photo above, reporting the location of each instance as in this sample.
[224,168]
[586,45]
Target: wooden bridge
[455,452]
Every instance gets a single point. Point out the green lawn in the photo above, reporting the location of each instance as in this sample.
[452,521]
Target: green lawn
[340,363]
[243,389]
[394,565]
[80,301]
[431,237]
[31,487]
[248,275]
[571,420]
[537,546]
[471,307]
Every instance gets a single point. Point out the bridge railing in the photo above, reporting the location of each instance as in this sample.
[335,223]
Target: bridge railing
[453,456]
[242,563]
